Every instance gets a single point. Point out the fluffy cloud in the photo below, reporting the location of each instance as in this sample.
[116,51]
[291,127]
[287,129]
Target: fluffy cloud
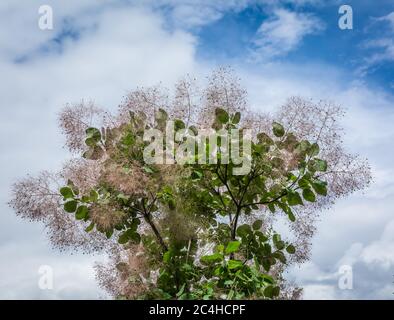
[371,266]
[380,253]
[124,48]
[73,276]
[284,32]
[380,49]
[389,19]
[191,14]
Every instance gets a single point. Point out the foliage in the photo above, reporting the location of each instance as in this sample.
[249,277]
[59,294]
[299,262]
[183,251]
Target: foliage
[239,265]
[193,230]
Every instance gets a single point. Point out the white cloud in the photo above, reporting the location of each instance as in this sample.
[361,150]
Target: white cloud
[318,292]
[19,30]
[388,18]
[284,32]
[197,13]
[127,47]
[73,276]
[189,14]
[380,253]
[381,48]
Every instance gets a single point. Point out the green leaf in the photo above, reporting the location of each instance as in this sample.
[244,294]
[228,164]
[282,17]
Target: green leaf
[123,197]
[257,225]
[234,264]
[93,136]
[109,233]
[266,264]
[243,230]
[135,237]
[309,195]
[267,249]
[230,294]
[194,130]
[70,206]
[261,236]
[236,118]
[303,182]
[314,150]
[148,169]
[123,238]
[268,291]
[85,199]
[180,292]
[303,146]
[221,115]
[129,235]
[290,142]
[66,192]
[179,124]
[213,258]
[217,125]
[228,282]
[291,216]
[280,245]
[89,227]
[82,212]
[263,138]
[294,199]
[278,129]
[275,291]
[171,204]
[93,132]
[128,139]
[90,142]
[219,248]
[167,257]
[318,165]
[232,247]
[291,177]
[320,187]
[134,224]
[259,149]
[196,175]
[321,165]
[93,195]
[280,256]
[290,249]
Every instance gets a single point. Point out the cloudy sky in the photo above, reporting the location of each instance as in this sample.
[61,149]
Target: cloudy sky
[101,49]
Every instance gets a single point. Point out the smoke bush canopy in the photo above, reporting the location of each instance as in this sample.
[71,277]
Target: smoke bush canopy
[194,230]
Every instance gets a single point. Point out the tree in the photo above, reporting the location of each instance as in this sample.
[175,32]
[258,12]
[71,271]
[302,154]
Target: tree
[194,229]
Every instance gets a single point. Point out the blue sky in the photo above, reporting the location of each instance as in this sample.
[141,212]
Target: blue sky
[102,49]
[231,37]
